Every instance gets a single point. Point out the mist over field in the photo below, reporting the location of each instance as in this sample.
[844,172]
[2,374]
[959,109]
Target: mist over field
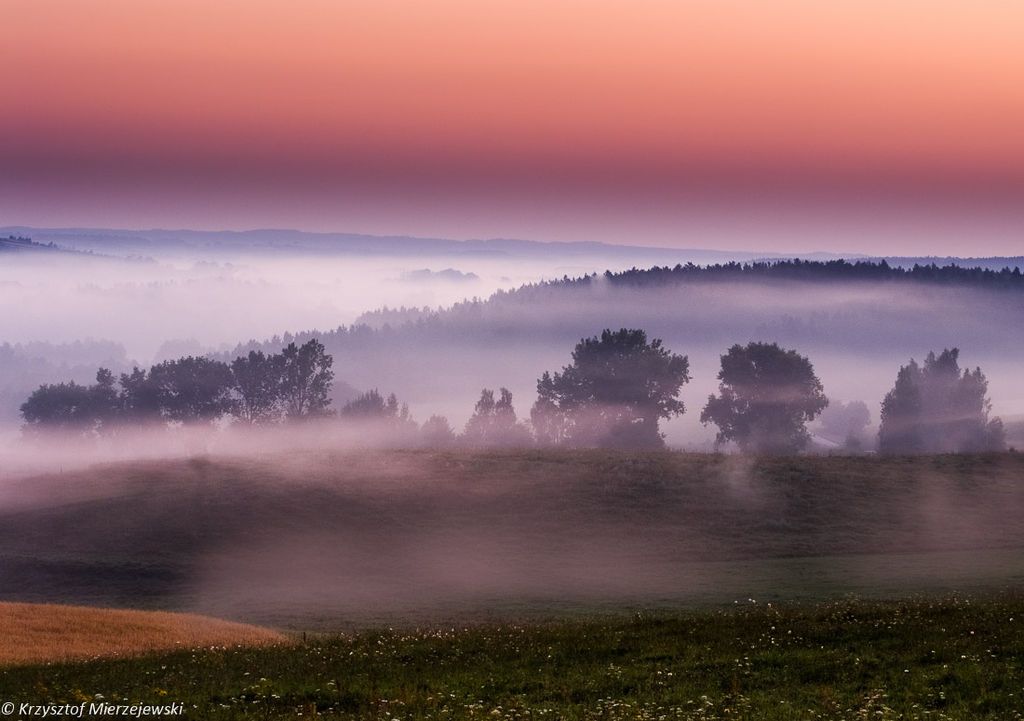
[123,298]
[76,312]
[154,308]
[857,334]
[324,442]
[355,537]
[79,309]
[512,361]
[341,517]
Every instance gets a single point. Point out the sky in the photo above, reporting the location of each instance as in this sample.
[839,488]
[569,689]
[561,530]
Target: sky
[874,126]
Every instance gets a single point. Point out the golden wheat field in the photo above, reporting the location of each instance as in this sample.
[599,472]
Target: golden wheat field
[41,633]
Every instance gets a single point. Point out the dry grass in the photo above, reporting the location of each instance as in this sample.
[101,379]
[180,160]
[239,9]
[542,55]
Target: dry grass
[40,633]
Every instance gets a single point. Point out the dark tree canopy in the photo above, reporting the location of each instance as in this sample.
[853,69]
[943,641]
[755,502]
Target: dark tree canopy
[193,390]
[366,405]
[306,379]
[74,408]
[374,406]
[256,389]
[494,423]
[105,400]
[256,379]
[937,408]
[60,406]
[766,396]
[437,432]
[613,394]
[140,398]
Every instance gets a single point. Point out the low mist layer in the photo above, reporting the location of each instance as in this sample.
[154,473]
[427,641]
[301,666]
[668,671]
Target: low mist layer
[367,537]
[857,328]
[856,333]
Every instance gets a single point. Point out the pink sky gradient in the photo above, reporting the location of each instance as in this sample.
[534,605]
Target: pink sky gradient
[791,125]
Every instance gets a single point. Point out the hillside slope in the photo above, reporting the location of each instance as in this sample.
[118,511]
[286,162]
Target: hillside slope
[376,536]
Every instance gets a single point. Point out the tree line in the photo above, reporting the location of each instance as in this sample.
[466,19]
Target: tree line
[796,269]
[255,389]
[615,392]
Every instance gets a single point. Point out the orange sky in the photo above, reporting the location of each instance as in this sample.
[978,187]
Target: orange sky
[562,119]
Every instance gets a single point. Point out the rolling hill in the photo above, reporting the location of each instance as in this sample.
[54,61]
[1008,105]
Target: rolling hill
[349,538]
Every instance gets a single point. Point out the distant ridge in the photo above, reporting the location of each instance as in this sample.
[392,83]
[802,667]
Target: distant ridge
[995,262]
[158,242]
[495,316]
[21,244]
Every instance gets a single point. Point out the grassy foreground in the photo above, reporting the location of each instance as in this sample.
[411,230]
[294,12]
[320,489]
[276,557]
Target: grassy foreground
[950,659]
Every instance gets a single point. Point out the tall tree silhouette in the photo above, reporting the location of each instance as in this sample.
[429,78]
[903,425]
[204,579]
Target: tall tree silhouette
[192,389]
[105,401]
[437,432]
[766,396]
[65,407]
[494,422]
[70,407]
[372,405]
[139,399]
[306,379]
[256,380]
[613,394]
[937,408]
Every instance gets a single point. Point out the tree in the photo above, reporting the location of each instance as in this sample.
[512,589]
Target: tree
[366,405]
[306,379]
[256,380]
[192,390]
[551,426]
[60,407]
[70,407]
[900,430]
[104,401]
[437,432]
[494,423]
[615,392]
[385,416]
[937,408]
[374,406]
[139,399]
[766,396]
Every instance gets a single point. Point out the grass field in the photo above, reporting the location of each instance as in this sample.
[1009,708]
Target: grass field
[335,540]
[928,659]
[34,633]
[584,585]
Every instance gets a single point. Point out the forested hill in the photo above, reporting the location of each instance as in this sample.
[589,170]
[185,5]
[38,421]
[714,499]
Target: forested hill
[417,320]
[27,246]
[832,270]
[21,244]
[996,262]
[868,316]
